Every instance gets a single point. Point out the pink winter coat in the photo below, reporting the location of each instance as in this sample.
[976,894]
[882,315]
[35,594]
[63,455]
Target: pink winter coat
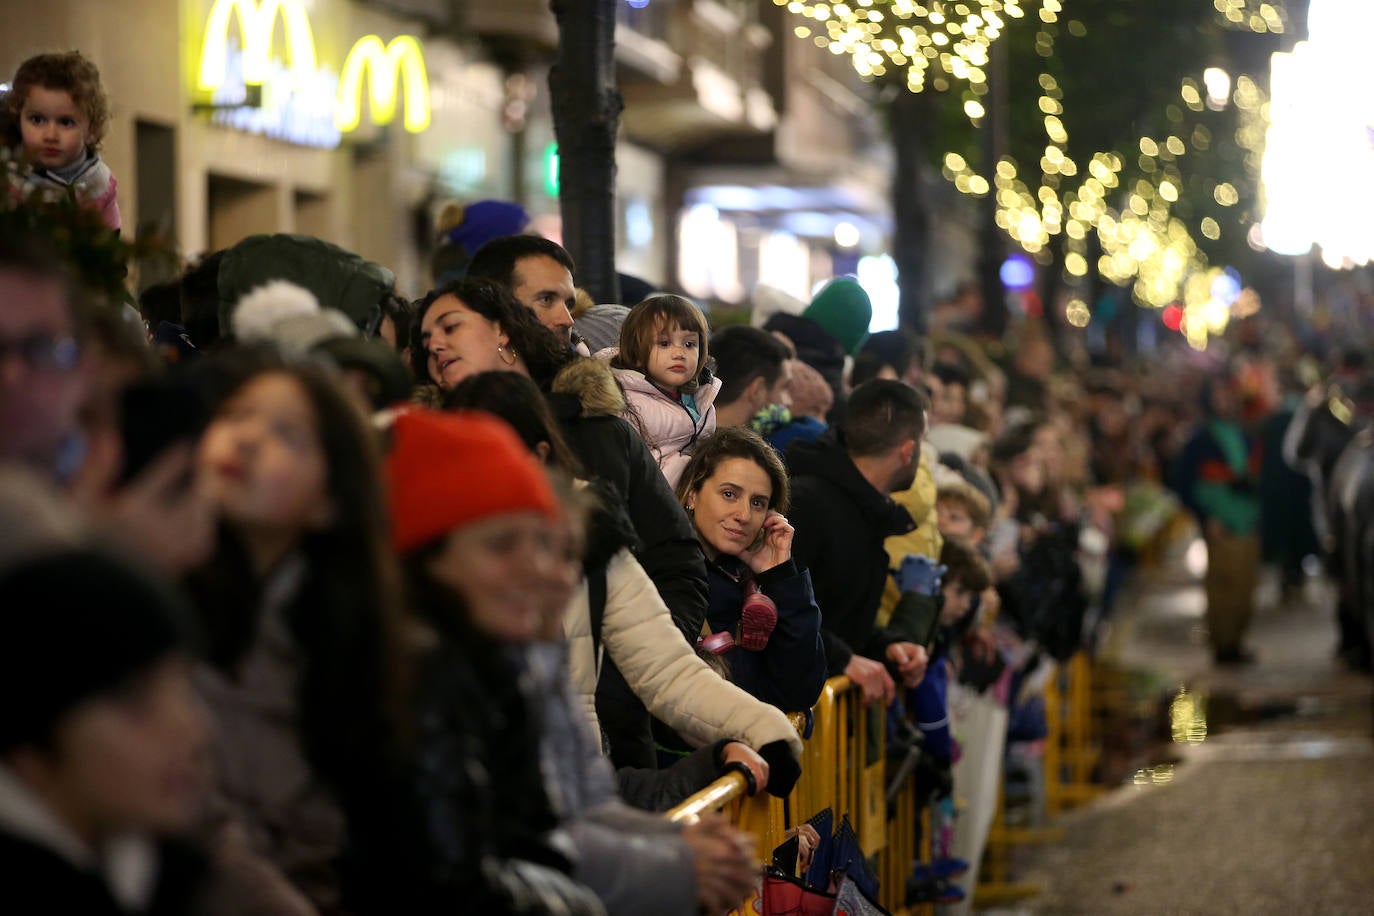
[667,427]
[94,185]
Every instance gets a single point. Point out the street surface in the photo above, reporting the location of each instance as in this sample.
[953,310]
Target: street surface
[1266,805]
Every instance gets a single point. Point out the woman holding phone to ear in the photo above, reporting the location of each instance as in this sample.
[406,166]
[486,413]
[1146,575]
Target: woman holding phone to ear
[735,491]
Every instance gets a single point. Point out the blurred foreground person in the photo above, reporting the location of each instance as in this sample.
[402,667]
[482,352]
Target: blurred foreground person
[43,377]
[298,605]
[525,819]
[101,741]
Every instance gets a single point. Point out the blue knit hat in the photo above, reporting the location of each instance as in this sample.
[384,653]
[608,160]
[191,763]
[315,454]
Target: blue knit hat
[844,310]
[485,220]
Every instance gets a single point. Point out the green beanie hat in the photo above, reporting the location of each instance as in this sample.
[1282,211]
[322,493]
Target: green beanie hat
[843,309]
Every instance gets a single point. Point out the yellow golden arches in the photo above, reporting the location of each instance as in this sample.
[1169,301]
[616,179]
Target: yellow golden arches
[401,61]
[256,23]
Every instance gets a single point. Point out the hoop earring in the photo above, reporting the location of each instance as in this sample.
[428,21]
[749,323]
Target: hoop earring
[507,356]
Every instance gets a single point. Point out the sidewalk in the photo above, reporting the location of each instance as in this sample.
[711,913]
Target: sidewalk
[1269,807]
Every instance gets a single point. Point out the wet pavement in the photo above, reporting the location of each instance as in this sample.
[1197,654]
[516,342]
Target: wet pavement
[1254,792]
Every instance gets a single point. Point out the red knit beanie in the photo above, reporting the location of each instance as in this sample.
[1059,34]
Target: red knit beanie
[448,469]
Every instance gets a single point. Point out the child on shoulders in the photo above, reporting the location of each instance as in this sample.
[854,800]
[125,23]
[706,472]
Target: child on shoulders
[663,367]
[56,113]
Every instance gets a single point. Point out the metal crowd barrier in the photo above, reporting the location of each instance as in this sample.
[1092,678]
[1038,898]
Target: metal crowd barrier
[844,769]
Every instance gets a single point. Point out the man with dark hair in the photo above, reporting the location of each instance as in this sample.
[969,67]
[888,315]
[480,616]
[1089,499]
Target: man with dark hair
[753,368]
[842,513]
[588,405]
[540,274]
[43,375]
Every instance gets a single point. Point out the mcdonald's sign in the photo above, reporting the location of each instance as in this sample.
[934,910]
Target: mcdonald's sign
[257,21]
[387,66]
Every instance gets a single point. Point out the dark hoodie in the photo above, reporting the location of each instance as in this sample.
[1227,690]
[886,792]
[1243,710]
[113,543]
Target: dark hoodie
[819,349]
[841,521]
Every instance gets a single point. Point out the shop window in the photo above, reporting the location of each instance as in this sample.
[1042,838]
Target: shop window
[155,201]
[238,208]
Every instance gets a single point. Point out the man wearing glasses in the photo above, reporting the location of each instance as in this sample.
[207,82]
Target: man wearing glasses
[42,374]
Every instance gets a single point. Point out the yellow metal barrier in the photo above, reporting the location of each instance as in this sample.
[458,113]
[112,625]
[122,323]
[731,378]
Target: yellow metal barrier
[843,768]
[1071,753]
[1071,750]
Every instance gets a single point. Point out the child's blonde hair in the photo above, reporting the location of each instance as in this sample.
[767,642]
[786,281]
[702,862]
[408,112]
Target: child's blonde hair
[641,327]
[68,72]
[967,495]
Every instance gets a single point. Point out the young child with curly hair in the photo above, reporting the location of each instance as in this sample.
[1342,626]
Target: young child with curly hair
[55,115]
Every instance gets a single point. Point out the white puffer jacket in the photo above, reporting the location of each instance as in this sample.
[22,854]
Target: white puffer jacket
[662,669]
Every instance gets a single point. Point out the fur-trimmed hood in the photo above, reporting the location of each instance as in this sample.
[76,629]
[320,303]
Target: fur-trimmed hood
[593,386]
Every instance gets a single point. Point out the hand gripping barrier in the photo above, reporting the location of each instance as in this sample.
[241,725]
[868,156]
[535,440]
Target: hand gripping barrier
[843,768]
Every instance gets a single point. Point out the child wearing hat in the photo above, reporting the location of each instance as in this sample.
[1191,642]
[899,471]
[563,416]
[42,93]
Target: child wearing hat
[101,739]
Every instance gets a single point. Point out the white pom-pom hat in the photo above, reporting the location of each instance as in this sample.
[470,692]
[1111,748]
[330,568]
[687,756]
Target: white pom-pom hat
[262,309]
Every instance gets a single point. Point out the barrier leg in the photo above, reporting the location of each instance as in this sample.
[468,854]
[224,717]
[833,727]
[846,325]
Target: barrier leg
[1080,751]
[995,885]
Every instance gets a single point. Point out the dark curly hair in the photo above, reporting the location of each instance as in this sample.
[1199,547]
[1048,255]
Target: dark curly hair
[70,72]
[541,350]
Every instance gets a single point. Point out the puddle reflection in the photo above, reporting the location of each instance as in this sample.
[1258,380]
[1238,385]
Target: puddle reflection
[1154,776]
[1188,717]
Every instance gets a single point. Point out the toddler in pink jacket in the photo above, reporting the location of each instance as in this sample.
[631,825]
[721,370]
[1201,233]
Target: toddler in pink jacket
[662,365]
[59,112]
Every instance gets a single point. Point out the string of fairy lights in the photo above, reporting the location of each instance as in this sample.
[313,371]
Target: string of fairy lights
[1254,16]
[950,38]
[1143,242]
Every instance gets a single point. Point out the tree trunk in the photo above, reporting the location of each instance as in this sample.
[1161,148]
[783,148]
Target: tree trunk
[586,116]
[910,123]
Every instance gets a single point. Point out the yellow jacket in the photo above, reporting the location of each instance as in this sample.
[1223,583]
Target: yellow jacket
[925,538]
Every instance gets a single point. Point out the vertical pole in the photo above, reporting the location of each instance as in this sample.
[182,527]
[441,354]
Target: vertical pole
[586,116]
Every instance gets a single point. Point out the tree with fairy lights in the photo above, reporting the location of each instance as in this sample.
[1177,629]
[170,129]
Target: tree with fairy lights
[918,54]
[1108,140]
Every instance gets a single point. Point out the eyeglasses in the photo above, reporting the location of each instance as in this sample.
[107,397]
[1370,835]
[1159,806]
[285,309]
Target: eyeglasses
[43,352]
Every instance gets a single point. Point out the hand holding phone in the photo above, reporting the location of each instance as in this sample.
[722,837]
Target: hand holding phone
[772,546]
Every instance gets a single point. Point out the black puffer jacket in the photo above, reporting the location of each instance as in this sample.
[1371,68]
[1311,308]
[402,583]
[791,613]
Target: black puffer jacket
[841,522]
[587,402]
[466,825]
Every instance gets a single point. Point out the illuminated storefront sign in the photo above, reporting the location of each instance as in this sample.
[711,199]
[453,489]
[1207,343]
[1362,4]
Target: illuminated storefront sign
[301,101]
[291,107]
[257,21]
[401,61]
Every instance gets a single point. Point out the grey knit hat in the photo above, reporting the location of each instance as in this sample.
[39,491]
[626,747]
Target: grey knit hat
[600,325]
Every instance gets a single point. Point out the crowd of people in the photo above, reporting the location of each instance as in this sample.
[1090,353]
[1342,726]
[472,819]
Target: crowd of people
[332,601]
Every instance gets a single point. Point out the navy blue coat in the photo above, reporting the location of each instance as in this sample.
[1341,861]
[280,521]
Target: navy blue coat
[790,671]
